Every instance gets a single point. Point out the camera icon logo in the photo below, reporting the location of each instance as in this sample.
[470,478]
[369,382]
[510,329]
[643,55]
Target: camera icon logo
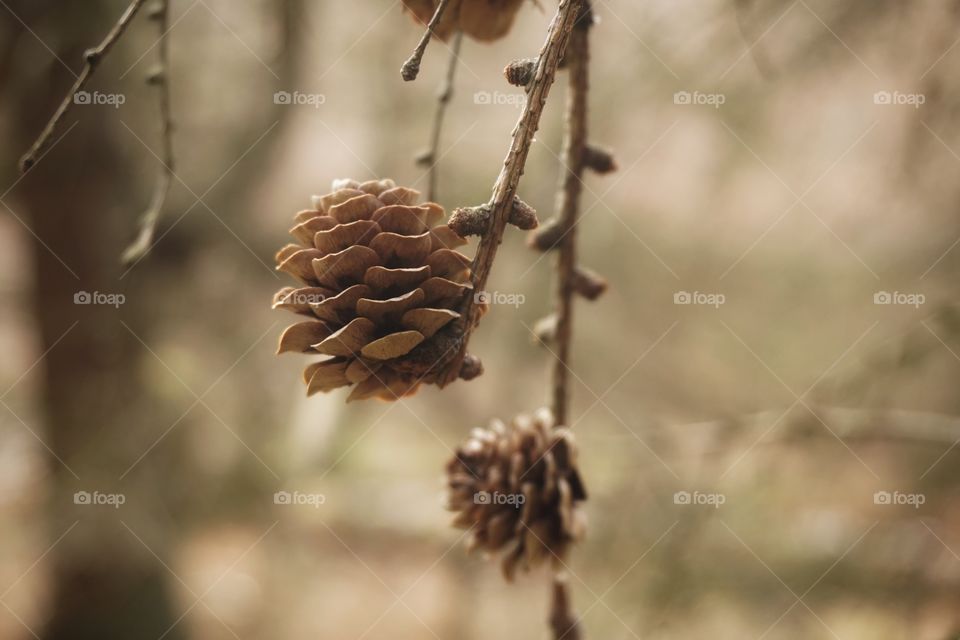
[82,297]
[681,497]
[282,97]
[882,297]
[282,497]
[882,97]
[882,497]
[682,97]
[482,97]
[82,97]
[682,297]
[482,497]
[82,497]
[482,297]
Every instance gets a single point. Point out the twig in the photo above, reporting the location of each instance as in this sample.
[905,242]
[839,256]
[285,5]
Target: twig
[411,68]
[876,426]
[568,206]
[505,188]
[160,77]
[92,58]
[757,53]
[432,156]
[563,623]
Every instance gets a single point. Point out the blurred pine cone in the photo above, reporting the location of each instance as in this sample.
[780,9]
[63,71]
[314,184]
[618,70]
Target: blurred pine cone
[518,487]
[379,284]
[484,20]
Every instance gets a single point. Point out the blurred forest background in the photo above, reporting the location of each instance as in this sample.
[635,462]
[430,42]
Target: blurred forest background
[798,199]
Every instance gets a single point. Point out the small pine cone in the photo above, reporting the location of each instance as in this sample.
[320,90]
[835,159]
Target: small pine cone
[156,10]
[484,20]
[545,330]
[599,159]
[519,73]
[379,284]
[518,489]
[471,367]
[588,284]
[523,216]
[547,236]
[470,221]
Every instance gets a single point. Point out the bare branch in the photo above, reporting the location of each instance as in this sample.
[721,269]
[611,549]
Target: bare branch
[91,58]
[563,623]
[568,206]
[411,68]
[160,77]
[754,46]
[432,156]
[505,188]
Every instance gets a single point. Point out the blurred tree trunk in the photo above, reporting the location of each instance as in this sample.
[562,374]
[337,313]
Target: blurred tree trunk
[96,409]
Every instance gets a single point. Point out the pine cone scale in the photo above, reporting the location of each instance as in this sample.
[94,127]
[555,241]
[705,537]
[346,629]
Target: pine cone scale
[325,376]
[300,337]
[342,236]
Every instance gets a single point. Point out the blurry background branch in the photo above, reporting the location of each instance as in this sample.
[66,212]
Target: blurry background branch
[752,38]
[564,621]
[431,157]
[160,78]
[91,60]
[577,58]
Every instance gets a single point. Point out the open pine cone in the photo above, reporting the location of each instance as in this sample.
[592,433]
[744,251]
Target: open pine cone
[379,285]
[519,489]
[484,20]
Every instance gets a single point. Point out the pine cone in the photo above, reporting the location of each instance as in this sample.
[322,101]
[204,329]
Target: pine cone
[484,20]
[379,285]
[518,487]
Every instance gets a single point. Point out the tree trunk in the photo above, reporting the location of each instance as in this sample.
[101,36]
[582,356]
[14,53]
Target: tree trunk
[96,410]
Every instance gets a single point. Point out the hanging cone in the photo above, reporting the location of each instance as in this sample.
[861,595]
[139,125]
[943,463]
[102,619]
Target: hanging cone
[517,489]
[380,283]
[484,20]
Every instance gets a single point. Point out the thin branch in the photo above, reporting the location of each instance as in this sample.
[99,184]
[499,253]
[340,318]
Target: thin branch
[568,207]
[160,77]
[411,68]
[877,426]
[505,188]
[755,48]
[432,156]
[563,623]
[92,58]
